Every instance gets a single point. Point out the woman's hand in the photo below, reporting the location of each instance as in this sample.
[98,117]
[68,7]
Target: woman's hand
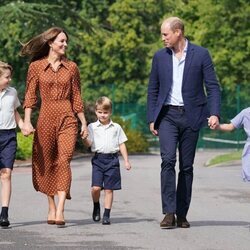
[27,129]
[84,131]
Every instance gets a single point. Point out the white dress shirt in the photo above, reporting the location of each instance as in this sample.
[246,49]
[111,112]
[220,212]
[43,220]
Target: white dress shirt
[106,138]
[9,102]
[175,95]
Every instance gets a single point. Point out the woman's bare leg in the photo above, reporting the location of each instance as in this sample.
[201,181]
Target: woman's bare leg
[52,209]
[60,206]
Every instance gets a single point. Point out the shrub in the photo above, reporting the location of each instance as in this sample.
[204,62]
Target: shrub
[24,146]
[137,141]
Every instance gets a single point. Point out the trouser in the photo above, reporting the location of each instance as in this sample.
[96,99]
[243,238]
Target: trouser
[174,132]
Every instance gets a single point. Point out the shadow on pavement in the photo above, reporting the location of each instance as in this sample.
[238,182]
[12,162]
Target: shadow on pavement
[73,223]
[206,223]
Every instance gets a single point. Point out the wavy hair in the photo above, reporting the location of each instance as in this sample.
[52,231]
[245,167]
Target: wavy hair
[38,47]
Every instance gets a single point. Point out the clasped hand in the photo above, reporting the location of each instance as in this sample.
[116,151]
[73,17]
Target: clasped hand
[213,122]
[84,132]
[27,129]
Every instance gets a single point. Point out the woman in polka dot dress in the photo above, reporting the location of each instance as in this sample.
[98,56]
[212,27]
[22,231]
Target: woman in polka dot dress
[58,81]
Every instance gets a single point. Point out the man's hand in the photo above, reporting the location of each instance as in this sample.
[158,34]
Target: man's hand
[152,130]
[213,122]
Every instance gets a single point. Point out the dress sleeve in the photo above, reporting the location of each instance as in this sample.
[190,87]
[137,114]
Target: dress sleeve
[76,99]
[30,100]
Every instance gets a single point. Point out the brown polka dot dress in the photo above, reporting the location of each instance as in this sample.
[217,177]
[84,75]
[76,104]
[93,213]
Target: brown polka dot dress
[56,128]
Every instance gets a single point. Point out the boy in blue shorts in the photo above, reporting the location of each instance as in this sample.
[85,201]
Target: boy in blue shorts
[106,139]
[9,117]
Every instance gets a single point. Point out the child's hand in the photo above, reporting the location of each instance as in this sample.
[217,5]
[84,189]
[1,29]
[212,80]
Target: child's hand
[217,127]
[84,132]
[127,165]
[27,129]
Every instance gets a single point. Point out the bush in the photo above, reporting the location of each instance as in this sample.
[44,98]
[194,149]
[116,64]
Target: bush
[137,141]
[24,146]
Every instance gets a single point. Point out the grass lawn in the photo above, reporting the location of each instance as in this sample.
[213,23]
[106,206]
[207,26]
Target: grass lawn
[232,156]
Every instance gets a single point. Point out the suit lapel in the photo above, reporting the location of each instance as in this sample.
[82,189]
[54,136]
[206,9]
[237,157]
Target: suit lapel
[168,65]
[188,61]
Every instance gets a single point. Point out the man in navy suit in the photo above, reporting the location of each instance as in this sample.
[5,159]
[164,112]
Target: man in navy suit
[183,95]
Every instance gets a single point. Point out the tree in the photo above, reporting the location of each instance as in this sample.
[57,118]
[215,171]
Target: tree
[21,20]
[222,27]
[117,61]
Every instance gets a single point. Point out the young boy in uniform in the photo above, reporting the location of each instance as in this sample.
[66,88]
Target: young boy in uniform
[9,118]
[106,139]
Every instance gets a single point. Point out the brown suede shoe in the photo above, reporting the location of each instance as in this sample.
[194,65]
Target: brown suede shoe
[168,221]
[182,222]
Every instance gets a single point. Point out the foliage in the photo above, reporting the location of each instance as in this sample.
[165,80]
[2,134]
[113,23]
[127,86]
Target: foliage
[24,147]
[126,35]
[113,41]
[222,27]
[118,58]
[21,20]
[137,142]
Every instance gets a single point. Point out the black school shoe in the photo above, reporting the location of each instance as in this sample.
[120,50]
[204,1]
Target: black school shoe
[4,222]
[96,214]
[106,221]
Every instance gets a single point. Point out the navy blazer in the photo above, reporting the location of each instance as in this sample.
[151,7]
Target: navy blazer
[200,87]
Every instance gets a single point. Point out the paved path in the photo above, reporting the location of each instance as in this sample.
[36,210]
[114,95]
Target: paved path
[219,213]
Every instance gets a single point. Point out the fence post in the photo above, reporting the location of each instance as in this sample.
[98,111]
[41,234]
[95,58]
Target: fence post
[113,96]
[238,111]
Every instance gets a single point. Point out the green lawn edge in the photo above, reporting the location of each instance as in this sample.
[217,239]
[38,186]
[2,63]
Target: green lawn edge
[224,158]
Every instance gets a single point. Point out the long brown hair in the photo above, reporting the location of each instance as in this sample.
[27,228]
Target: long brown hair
[38,46]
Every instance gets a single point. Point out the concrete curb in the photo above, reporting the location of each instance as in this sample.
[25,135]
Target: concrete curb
[78,156]
[29,164]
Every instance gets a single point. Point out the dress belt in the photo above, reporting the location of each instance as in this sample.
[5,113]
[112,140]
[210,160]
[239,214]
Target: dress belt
[105,155]
[179,108]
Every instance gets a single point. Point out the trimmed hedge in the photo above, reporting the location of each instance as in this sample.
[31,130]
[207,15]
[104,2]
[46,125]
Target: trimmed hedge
[24,146]
[137,141]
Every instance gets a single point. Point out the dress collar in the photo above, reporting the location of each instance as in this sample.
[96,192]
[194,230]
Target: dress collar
[46,63]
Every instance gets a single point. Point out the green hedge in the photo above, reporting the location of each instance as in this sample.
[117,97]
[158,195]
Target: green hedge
[137,141]
[24,146]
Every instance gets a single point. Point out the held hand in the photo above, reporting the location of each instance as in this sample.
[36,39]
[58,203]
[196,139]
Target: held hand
[217,127]
[84,132]
[27,129]
[152,130]
[213,122]
[127,165]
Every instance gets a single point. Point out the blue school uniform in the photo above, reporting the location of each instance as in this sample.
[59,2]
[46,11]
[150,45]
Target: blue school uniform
[242,120]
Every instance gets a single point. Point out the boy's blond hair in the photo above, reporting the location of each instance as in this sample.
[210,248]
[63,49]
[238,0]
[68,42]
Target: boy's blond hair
[103,103]
[4,66]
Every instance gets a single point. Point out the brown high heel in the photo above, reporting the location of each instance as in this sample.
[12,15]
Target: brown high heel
[51,222]
[60,223]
